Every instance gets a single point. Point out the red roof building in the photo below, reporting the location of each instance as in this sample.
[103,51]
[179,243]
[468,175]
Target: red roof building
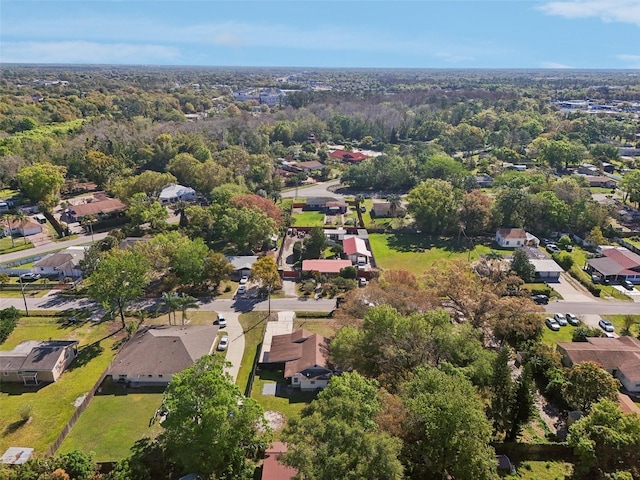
[348,157]
[325,266]
[272,469]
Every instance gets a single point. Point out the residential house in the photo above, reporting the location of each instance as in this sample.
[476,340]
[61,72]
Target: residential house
[23,227]
[241,265]
[306,167]
[65,263]
[176,193]
[619,356]
[588,169]
[484,181]
[356,251]
[608,167]
[616,264]
[600,181]
[35,362]
[383,210]
[348,157]
[303,357]
[326,204]
[327,267]
[272,468]
[547,269]
[100,207]
[156,353]
[515,237]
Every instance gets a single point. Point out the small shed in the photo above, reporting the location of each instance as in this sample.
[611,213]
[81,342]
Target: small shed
[17,455]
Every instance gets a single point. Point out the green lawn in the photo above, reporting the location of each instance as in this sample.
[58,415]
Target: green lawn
[326,327]
[253,324]
[530,470]
[113,422]
[7,246]
[565,334]
[416,253]
[618,323]
[308,219]
[52,405]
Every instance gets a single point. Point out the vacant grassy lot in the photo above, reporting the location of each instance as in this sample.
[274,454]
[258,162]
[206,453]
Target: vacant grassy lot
[113,422]
[52,405]
[18,244]
[308,219]
[531,470]
[326,327]
[416,253]
[253,324]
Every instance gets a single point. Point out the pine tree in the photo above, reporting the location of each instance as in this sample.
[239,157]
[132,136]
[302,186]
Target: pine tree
[502,393]
[523,404]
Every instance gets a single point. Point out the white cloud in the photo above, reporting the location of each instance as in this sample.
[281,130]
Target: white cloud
[554,65]
[632,61]
[84,52]
[621,11]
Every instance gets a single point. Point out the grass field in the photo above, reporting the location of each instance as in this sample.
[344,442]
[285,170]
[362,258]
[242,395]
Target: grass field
[253,324]
[565,334]
[531,470]
[52,405]
[416,253]
[128,412]
[18,244]
[322,326]
[618,323]
[308,219]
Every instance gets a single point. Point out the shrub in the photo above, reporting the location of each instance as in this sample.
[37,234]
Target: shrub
[25,411]
[580,334]
[564,260]
[8,321]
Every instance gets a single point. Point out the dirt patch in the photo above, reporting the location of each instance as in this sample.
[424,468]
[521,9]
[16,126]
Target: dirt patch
[276,420]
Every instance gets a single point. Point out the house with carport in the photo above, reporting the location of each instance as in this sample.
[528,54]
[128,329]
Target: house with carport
[515,237]
[616,264]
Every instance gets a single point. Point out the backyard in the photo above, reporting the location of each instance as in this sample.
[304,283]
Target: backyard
[129,413]
[49,407]
[307,219]
[417,253]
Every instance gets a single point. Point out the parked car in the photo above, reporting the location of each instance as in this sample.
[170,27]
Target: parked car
[540,299]
[223,343]
[569,248]
[545,242]
[561,319]
[242,289]
[552,324]
[362,282]
[553,248]
[244,279]
[606,325]
[572,319]
[221,321]
[627,284]
[30,277]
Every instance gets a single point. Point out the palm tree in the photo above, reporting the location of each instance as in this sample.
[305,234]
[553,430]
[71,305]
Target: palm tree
[395,202]
[178,209]
[629,321]
[186,301]
[88,221]
[7,219]
[20,217]
[171,300]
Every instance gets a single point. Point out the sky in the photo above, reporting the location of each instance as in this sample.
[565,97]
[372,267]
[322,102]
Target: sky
[591,34]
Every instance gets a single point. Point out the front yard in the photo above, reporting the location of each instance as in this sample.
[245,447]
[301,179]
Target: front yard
[50,406]
[307,219]
[416,253]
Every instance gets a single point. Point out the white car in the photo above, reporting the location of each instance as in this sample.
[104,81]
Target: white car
[223,343]
[561,319]
[221,321]
[606,325]
[243,280]
[552,324]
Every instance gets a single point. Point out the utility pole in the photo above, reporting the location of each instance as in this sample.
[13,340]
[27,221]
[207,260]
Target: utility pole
[22,285]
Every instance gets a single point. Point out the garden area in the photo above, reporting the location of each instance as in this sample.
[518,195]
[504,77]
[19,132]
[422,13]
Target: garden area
[417,253]
[35,415]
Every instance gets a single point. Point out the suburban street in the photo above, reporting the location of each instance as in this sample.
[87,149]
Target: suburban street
[317,190]
[50,247]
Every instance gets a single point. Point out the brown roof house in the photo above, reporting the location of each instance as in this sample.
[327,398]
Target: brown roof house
[100,207]
[24,227]
[619,356]
[35,362]
[155,353]
[303,357]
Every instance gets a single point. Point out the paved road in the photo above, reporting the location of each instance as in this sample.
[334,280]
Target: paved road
[317,190]
[50,247]
[594,308]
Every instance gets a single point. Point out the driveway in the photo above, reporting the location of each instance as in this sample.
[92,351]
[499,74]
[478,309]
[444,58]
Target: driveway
[235,351]
[634,294]
[570,291]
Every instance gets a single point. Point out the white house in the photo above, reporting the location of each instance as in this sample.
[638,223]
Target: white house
[65,263]
[546,269]
[25,227]
[177,193]
[515,237]
[356,250]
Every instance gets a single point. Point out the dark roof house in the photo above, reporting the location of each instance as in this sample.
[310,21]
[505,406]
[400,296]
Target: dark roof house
[34,362]
[155,353]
